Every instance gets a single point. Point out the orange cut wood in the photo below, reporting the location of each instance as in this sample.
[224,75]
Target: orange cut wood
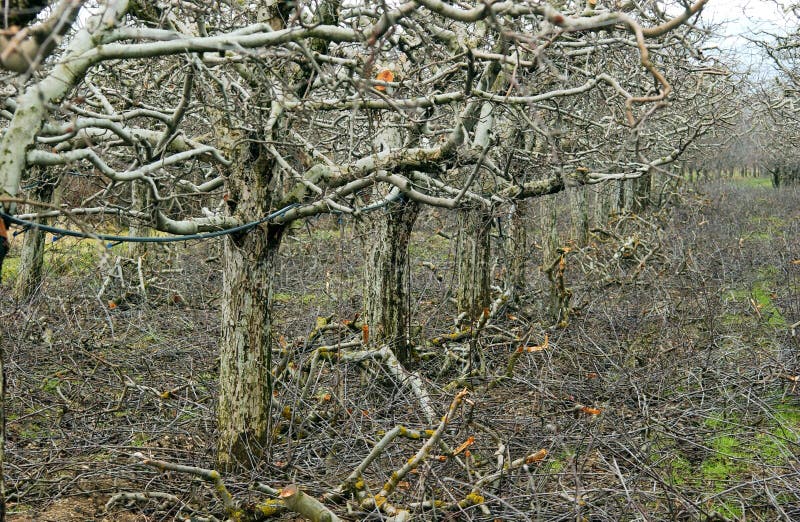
[384,76]
[536,457]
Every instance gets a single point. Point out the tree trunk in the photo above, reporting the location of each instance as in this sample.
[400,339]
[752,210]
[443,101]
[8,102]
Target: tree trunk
[641,192]
[627,195]
[548,214]
[603,204]
[140,199]
[517,250]
[472,262]
[387,299]
[551,306]
[31,259]
[245,385]
[579,208]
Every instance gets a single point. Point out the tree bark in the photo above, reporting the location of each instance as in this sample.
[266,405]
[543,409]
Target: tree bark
[31,259]
[579,208]
[550,255]
[517,250]
[387,298]
[603,203]
[641,192]
[472,261]
[140,199]
[245,385]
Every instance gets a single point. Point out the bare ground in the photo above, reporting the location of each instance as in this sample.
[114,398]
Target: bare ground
[679,347]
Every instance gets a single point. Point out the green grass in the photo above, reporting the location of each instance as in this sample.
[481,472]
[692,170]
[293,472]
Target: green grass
[10,268]
[426,246]
[63,257]
[305,299]
[753,182]
[50,385]
[680,470]
[761,294]
[728,510]
[738,452]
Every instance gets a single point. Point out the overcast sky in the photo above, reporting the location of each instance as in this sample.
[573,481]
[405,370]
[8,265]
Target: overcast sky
[745,16]
[742,18]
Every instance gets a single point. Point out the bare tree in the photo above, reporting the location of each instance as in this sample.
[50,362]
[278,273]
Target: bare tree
[242,118]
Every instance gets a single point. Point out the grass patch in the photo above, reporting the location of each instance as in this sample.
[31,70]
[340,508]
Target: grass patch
[788,414]
[680,470]
[750,182]
[739,454]
[769,312]
[759,297]
[425,245]
[67,256]
[726,463]
[304,299]
[10,268]
[146,341]
[728,510]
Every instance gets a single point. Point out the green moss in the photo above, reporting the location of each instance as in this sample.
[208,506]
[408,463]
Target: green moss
[769,312]
[728,460]
[727,446]
[139,440]
[270,507]
[736,454]
[146,341]
[717,471]
[770,448]
[788,414]
[35,430]
[716,421]
[768,273]
[735,319]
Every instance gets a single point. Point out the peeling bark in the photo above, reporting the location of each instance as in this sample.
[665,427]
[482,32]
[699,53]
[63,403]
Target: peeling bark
[387,299]
[245,358]
[579,207]
[516,251]
[31,256]
[472,262]
[140,200]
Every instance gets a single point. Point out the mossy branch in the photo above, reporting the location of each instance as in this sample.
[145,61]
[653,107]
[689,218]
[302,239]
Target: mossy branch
[380,499]
[229,504]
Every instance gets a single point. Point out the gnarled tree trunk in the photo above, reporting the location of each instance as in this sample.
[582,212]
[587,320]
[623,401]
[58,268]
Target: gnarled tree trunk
[550,245]
[140,196]
[516,248]
[387,299]
[31,258]
[245,358]
[472,262]
[579,208]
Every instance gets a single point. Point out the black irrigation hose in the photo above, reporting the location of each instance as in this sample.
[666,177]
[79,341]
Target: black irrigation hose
[168,239]
[136,239]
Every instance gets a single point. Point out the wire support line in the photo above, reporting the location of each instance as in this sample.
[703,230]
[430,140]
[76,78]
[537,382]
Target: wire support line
[144,239]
